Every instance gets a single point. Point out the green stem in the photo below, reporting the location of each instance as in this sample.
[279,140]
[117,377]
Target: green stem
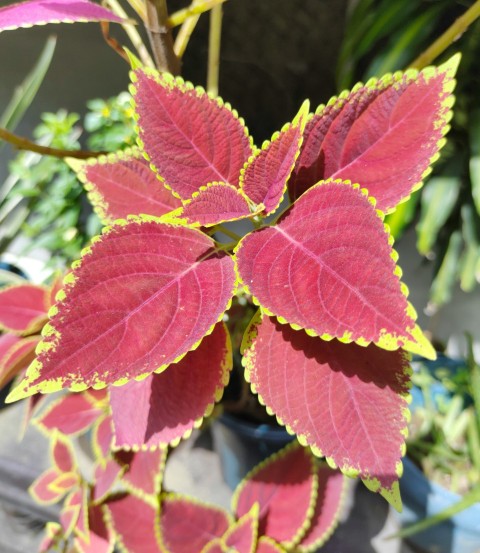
[161,36]
[132,33]
[226,231]
[24,144]
[185,32]
[448,37]
[214,41]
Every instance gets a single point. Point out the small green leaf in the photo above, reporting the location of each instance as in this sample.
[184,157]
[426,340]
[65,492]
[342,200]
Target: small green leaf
[438,199]
[25,93]
[441,290]
[471,254]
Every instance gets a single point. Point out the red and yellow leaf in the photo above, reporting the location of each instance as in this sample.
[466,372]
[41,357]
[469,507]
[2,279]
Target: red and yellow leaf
[23,308]
[52,536]
[242,534]
[214,203]
[163,408]
[328,267]
[102,438]
[347,402]
[190,138]
[40,12]
[144,473]
[123,184]
[144,294]
[187,525]
[267,545]
[62,453]
[100,537]
[401,117]
[264,178]
[42,491]
[72,414]
[284,486]
[331,489]
[70,511]
[105,476]
[15,355]
[134,523]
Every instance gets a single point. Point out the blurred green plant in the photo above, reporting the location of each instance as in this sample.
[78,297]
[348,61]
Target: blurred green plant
[45,202]
[388,35]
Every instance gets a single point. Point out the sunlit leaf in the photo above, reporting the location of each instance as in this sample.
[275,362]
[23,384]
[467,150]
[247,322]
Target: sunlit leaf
[165,407]
[23,308]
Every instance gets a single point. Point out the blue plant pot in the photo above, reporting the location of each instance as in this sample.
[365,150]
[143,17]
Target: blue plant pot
[421,499]
[242,444]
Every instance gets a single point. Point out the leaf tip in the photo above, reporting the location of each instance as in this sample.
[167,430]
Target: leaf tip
[135,63]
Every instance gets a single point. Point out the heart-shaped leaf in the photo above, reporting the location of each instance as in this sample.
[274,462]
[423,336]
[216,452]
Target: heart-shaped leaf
[331,488]
[347,402]
[123,184]
[23,308]
[71,414]
[40,12]
[264,177]
[144,294]
[214,203]
[328,267]
[190,138]
[187,525]
[402,117]
[163,408]
[284,486]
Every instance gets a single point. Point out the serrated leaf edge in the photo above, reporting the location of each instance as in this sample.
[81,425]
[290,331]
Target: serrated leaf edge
[351,472]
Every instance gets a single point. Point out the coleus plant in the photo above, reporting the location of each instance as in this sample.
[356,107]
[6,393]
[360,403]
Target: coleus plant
[290,501]
[328,350]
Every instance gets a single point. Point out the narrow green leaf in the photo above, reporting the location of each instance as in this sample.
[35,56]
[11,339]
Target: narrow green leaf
[471,254]
[474,131]
[441,290]
[467,501]
[438,199]
[402,216]
[25,93]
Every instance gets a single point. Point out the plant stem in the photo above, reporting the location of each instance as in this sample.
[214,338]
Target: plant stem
[454,32]
[161,36]
[112,42]
[226,231]
[132,33]
[197,7]
[24,144]
[185,32]
[214,41]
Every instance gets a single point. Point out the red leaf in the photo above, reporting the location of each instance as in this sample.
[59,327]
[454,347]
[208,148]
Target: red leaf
[190,138]
[41,489]
[39,12]
[15,355]
[187,525]
[134,523]
[23,308]
[71,511]
[264,178]
[284,486]
[106,475]
[144,295]
[102,438]
[267,545]
[214,203]
[215,546]
[165,407]
[347,402]
[383,135]
[242,535]
[100,538]
[331,487]
[123,184]
[143,476]
[62,453]
[71,414]
[328,267]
